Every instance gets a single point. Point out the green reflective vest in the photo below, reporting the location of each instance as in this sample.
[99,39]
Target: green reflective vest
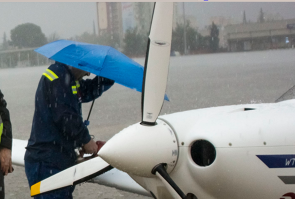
[1,128]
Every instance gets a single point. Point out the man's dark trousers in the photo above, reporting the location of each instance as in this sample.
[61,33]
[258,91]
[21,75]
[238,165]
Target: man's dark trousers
[37,171]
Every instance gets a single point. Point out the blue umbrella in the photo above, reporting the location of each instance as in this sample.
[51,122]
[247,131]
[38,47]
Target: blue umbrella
[101,60]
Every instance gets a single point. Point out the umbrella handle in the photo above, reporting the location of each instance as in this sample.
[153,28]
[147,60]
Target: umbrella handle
[86,122]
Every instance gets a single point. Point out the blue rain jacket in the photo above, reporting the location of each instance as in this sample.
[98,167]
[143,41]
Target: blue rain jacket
[58,126]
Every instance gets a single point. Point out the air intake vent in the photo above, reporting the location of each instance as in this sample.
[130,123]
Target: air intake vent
[249,109]
[203,153]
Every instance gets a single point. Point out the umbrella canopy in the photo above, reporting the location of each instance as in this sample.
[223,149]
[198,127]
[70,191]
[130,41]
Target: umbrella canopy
[101,60]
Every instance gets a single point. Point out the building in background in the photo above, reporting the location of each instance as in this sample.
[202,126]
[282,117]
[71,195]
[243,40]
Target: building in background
[142,13]
[261,36]
[128,15]
[116,18]
[110,19]
[143,16]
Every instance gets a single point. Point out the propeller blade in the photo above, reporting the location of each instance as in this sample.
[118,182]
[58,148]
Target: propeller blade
[72,176]
[157,62]
[172,187]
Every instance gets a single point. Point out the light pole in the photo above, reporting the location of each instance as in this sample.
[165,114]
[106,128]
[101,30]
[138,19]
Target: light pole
[184,30]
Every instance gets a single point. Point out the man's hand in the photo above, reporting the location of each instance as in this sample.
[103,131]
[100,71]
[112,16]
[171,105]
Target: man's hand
[99,145]
[5,160]
[90,148]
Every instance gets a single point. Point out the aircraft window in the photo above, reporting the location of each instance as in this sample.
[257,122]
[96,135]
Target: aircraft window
[203,153]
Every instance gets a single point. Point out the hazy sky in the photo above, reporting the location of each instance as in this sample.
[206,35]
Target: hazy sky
[66,19]
[72,18]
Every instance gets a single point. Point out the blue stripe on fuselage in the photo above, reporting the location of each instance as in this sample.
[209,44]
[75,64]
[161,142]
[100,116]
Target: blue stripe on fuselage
[278,161]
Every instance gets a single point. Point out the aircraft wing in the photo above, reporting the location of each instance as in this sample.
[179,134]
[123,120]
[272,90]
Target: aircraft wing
[119,180]
[290,94]
[113,178]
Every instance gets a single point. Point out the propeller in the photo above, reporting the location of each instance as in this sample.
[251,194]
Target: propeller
[72,176]
[148,148]
[154,141]
[156,63]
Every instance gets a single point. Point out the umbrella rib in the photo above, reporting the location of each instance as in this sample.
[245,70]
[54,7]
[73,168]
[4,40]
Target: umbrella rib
[103,59]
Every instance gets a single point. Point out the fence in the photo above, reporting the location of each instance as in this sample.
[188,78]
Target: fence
[21,58]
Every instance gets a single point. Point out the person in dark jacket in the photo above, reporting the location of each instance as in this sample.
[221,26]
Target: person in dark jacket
[58,126]
[5,143]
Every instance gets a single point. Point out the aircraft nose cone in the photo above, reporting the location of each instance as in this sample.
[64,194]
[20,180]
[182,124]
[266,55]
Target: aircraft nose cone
[138,149]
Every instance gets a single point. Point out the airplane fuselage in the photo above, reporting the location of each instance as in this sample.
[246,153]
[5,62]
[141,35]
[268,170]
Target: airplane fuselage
[238,151]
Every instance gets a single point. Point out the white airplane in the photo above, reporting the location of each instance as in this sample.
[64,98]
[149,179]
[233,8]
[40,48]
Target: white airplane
[238,151]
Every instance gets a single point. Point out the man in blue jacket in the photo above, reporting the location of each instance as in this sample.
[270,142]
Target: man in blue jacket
[58,126]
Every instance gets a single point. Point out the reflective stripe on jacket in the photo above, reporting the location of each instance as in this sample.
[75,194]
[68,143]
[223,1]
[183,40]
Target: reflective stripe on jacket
[1,128]
[6,135]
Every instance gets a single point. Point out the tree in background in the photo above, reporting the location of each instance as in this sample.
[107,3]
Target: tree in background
[135,43]
[103,39]
[109,40]
[177,43]
[87,38]
[192,37]
[27,35]
[53,37]
[214,40]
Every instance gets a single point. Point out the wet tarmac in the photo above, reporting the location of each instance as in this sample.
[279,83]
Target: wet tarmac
[194,82]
